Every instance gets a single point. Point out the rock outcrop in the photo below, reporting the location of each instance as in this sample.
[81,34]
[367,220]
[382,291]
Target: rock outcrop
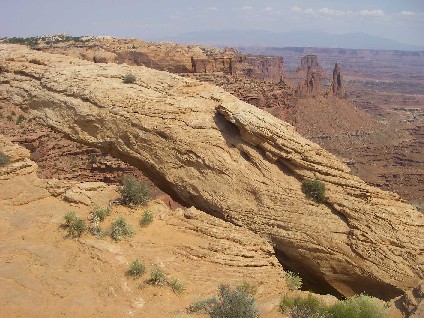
[311,86]
[336,84]
[261,67]
[211,150]
[45,274]
[309,61]
[312,73]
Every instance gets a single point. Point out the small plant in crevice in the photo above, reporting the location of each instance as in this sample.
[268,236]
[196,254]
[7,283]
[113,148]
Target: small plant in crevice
[121,229]
[294,281]
[9,117]
[129,79]
[4,160]
[75,225]
[157,277]
[133,192]
[147,218]
[314,189]
[136,269]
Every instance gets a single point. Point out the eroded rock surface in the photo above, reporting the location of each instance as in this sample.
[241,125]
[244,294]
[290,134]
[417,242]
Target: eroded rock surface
[231,159]
[45,274]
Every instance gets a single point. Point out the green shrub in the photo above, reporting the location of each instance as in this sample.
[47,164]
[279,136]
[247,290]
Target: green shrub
[233,303]
[101,213]
[69,218]
[121,229]
[146,219]
[133,192]
[129,79]
[136,269]
[157,277]
[97,216]
[74,224]
[294,281]
[298,307]
[359,306]
[176,286]
[9,117]
[20,119]
[314,189]
[4,160]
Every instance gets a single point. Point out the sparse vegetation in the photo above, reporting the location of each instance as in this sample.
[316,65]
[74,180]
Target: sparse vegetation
[176,285]
[101,213]
[4,160]
[298,307]
[360,306]
[9,117]
[120,229]
[234,303]
[75,225]
[136,269]
[20,119]
[157,277]
[97,216]
[48,40]
[294,281]
[129,79]
[314,189]
[147,218]
[248,288]
[133,192]
[203,305]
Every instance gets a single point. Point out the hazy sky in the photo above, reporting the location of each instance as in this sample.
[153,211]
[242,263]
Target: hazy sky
[401,20]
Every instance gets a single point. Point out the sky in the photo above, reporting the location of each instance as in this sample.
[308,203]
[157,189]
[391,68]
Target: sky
[400,20]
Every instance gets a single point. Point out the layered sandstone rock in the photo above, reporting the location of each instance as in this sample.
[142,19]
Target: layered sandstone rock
[309,61]
[224,156]
[311,86]
[45,274]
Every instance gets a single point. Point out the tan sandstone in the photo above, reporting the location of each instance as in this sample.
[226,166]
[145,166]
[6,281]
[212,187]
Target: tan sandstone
[45,274]
[226,157]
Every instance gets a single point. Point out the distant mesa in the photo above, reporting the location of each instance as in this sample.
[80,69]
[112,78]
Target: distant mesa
[258,67]
[309,61]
